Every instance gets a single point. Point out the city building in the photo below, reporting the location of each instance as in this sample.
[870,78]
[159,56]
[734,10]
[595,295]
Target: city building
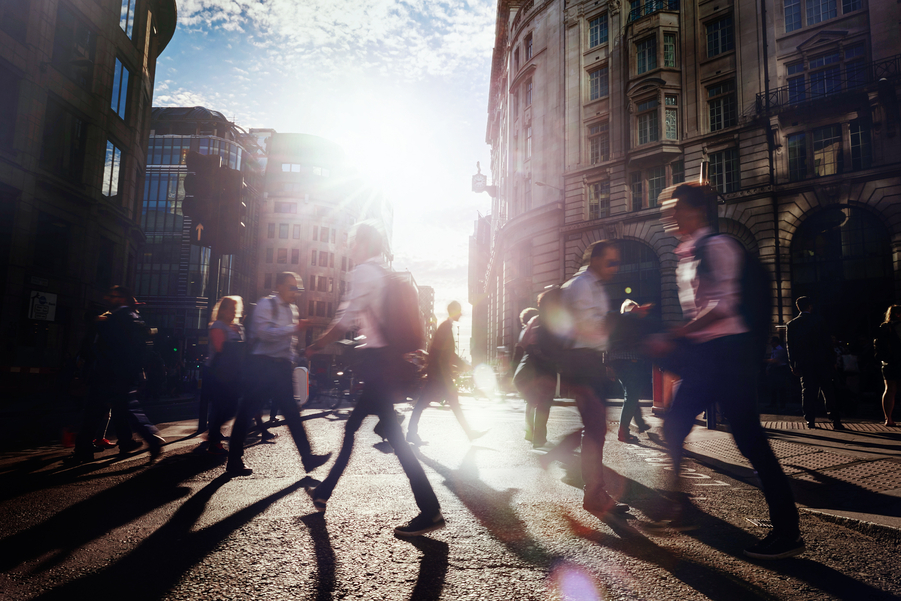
[173,274]
[76,85]
[788,107]
[479,253]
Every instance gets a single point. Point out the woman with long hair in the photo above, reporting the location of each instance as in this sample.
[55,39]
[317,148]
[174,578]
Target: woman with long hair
[888,351]
[225,328]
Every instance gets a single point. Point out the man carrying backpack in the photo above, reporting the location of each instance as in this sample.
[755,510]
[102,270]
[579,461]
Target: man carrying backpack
[381,368]
[274,327]
[716,354]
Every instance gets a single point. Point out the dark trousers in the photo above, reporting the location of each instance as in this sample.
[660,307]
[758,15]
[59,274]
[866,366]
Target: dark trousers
[380,389]
[723,371]
[224,399]
[630,374]
[816,382]
[438,390]
[268,378]
[120,401]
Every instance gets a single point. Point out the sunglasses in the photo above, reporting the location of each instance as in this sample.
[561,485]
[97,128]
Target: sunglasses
[294,288]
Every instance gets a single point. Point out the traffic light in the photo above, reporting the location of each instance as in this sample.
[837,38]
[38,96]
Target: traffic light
[232,210]
[201,194]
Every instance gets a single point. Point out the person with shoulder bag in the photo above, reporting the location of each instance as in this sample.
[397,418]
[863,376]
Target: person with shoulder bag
[225,366]
[536,377]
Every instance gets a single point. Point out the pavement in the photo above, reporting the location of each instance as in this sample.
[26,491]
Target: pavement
[851,476]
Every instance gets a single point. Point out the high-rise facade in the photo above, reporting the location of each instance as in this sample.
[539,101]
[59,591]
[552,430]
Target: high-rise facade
[173,274]
[788,107]
[76,83]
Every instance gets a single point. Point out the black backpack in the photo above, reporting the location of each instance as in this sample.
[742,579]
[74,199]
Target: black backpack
[400,323]
[756,305]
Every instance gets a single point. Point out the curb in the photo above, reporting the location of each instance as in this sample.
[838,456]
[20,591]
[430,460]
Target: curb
[881,531]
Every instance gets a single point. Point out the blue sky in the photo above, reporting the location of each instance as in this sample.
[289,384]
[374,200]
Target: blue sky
[401,85]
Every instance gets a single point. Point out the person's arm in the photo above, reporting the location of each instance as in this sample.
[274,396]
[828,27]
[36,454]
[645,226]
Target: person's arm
[722,285]
[263,324]
[217,338]
[363,284]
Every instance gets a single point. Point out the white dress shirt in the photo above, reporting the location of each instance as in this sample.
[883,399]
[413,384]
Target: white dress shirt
[275,330]
[587,299]
[363,306]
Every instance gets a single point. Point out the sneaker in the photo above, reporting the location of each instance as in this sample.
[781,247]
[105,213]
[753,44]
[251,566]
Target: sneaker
[811,425]
[102,444]
[414,438]
[318,502]
[673,519]
[643,428]
[776,546]
[420,525]
[627,437]
[603,505]
[313,461]
[267,435]
[156,443]
[217,449]
[237,468]
[838,426]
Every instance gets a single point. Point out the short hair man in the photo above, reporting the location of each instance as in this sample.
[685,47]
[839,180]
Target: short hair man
[443,365]
[364,307]
[811,358]
[274,328]
[715,354]
[583,369]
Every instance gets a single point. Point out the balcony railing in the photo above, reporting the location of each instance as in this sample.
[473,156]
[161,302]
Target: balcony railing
[813,90]
[649,7]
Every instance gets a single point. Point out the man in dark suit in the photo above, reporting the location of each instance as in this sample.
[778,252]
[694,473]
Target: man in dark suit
[811,358]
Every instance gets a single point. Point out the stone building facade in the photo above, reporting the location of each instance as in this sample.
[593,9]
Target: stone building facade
[788,107]
[76,85]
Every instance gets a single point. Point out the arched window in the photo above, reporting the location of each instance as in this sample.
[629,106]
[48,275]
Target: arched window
[841,257]
[638,277]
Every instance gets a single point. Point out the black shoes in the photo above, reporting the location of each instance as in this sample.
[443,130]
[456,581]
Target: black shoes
[318,502]
[420,525]
[313,461]
[156,443]
[127,446]
[604,505]
[776,546]
[811,425]
[237,468]
[837,425]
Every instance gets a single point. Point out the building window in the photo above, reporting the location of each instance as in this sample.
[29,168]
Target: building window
[331,285]
[796,90]
[850,5]
[270,231]
[527,196]
[311,309]
[64,142]
[647,55]
[820,10]
[529,93]
[720,36]
[597,31]
[529,47]
[861,149]
[73,48]
[792,15]
[343,263]
[269,255]
[671,117]
[516,59]
[282,256]
[515,102]
[827,150]
[295,256]
[598,85]
[9,105]
[334,235]
[313,258]
[322,283]
[340,288]
[599,200]
[797,157]
[648,122]
[267,281]
[285,207]
[678,170]
[528,142]
[669,50]
[14,18]
[111,171]
[323,259]
[724,170]
[331,259]
[722,104]
[825,75]
[295,232]
[637,192]
[127,16]
[120,89]
[821,76]
[598,143]
[656,184]
[283,231]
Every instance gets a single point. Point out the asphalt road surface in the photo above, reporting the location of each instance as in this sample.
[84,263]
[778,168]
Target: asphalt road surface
[118,529]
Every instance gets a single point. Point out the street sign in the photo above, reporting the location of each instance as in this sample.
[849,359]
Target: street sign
[42,306]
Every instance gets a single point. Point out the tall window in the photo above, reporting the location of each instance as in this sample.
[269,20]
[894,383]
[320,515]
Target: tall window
[9,105]
[515,102]
[792,15]
[796,90]
[313,258]
[527,195]
[270,230]
[599,200]
[669,50]
[598,143]
[820,10]
[678,171]
[111,163]
[127,16]
[597,31]
[295,256]
[827,150]
[648,122]
[528,142]
[529,93]
[516,59]
[797,157]
[720,36]
[120,89]
[64,142]
[656,184]
[528,47]
[282,256]
[825,75]
[722,103]
[646,52]
[323,259]
[269,255]
[637,192]
[267,281]
[671,117]
[598,84]
[295,232]
[724,170]
[73,48]
[283,231]
[861,149]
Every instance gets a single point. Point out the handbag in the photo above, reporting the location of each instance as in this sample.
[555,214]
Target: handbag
[228,364]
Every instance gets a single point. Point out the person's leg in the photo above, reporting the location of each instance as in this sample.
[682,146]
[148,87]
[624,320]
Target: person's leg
[257,387]
[424,400]
[283,399]
[453,399]
[530,416]
[830,398]
[888,400]
[594,422]
[94,412]
[810,392]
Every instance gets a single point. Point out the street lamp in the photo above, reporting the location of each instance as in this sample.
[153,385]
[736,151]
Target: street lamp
[544,185]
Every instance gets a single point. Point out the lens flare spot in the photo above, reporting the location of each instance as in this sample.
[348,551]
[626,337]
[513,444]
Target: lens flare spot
[574,584]
[484,379]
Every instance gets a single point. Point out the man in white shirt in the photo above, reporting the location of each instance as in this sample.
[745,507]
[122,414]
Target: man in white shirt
[274,328]
[582,368]
[364,308]
[716,355]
